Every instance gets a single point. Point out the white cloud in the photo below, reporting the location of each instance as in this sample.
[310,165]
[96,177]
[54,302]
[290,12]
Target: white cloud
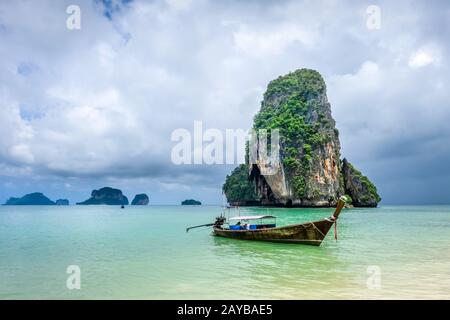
[22,153]
[179,4]
[15,134]
[271,41]
[424,57]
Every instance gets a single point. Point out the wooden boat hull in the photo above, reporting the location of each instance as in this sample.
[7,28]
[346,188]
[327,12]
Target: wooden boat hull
[310,233]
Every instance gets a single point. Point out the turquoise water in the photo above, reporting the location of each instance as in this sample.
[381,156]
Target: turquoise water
[145,253]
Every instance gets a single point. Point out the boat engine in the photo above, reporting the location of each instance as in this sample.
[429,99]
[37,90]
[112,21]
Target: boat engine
[220,220]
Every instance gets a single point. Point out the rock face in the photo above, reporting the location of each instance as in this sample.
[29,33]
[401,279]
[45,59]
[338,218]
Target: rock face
[140,200]
[62,202]
[34,199]
[191,202]
[358,187]
[107,195]
[297,105]
[309,173]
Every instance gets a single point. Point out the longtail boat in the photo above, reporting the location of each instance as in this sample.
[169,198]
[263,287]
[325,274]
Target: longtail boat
[260,229]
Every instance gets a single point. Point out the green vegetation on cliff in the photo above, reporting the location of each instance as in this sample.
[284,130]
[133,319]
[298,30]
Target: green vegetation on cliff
[368,184]
[237,186]
[291,105]
[361,189]
[297,106]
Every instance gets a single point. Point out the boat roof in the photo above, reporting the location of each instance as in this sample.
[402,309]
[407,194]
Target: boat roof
[251,217]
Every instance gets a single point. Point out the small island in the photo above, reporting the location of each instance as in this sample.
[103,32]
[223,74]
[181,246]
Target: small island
[140,200]
[106,195]
[31,199]
[62,202]
[191,202]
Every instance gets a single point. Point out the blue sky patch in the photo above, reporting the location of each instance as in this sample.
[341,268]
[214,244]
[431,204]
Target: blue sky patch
[26,68]
[110,7]
[30,112]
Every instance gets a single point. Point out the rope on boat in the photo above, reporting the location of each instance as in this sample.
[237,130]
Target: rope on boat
[335,230]
[333,220]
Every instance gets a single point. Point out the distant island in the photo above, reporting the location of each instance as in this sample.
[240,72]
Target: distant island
[311,172]
[191,202]
[31,199]
[140,200]
[62,202]
[106,195]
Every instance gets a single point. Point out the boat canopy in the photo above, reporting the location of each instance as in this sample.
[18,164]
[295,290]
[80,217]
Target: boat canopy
[251,217]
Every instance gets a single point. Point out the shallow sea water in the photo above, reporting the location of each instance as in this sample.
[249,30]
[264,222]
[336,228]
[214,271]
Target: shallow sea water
[145,253]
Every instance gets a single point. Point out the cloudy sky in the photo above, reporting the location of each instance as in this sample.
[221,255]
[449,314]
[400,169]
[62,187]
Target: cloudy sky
[96,106]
